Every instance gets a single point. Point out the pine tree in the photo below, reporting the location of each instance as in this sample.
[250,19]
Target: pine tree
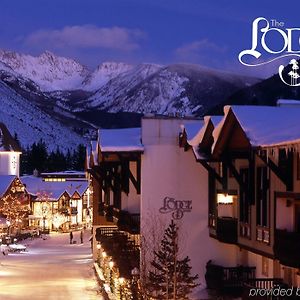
[15,209]
[170,277]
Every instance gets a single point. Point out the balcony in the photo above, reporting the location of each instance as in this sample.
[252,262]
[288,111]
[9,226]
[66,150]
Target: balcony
[109,213]
[287,248]
[127,221]
[64,210]
[262,284]
[227,230]
[124,251]
[74,211]
[228,280]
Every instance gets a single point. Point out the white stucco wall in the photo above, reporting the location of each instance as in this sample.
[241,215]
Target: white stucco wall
[169,171]
[9,163]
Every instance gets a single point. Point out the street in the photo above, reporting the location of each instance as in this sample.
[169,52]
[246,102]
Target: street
[50,269]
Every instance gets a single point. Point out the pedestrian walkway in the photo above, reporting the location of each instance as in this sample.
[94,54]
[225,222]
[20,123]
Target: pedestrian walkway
[52,269]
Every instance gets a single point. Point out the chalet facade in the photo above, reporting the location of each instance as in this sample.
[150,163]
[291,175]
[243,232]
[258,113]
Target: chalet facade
[231,184]
[252,161]
[139,176]
[59,201]
[114,167]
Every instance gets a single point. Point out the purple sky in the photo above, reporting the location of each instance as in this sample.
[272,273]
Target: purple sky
[210,33]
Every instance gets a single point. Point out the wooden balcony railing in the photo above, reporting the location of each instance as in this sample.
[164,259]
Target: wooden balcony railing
[262,289]
[263,234]
[124,251]
[287,248]
[129,222]
[109,212]
[245,230]
[212,220]
[227,230]
[228,280]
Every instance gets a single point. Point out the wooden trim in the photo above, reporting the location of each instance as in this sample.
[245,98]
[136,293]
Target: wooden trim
[211,170]
[274,168]
[289,195]
[256,251]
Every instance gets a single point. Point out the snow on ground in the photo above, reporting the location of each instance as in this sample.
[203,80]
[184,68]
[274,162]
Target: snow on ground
[52,269]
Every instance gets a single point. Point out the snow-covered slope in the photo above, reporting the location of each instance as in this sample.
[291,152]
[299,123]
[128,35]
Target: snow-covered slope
[103,73]
[184,89]
[65,90]
[117,88]
[49,71]
[31,124]
[54,73]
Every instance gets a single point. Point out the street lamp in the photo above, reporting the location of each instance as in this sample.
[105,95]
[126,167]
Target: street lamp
[121,282]
[111,265]
[8,227]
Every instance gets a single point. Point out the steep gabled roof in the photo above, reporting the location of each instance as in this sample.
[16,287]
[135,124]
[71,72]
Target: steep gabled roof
[120,140]
[7,143]
[262,126]
[36,185]
[5,182]
[267,125]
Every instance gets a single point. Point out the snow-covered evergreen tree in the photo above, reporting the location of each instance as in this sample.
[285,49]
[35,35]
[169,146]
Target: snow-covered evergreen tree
[170,277]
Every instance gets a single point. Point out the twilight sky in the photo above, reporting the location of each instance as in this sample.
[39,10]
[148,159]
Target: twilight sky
[210,33]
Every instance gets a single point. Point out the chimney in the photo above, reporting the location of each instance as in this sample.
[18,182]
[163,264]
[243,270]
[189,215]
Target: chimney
[35,173]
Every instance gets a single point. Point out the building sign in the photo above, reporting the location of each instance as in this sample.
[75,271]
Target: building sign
[272,41]
[176,207]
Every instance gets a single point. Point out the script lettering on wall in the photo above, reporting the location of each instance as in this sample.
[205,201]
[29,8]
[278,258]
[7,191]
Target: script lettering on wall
[176,207]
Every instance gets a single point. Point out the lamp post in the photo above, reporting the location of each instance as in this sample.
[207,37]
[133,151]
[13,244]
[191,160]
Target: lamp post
[121,282]
[111,265]
[8,227]
[98,246]
[135,273]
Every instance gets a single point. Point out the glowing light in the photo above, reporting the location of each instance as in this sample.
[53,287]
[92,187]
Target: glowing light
[111,264]
[121,280]
[224,199]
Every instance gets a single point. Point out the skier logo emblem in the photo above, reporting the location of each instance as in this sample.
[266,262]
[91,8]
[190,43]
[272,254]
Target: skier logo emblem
[293,74]
[286,47]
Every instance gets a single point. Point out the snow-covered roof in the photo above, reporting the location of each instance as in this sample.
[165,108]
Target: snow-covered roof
[64,174]
[266,125]
[120,140]
[7,143]
[5,182]
[36,185]
[282,102]
[193,132]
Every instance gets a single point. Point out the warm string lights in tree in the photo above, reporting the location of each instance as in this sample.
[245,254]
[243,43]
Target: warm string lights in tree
[58,220]
[15,208]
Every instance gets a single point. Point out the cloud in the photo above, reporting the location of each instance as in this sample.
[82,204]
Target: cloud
[199,51]
[87,36]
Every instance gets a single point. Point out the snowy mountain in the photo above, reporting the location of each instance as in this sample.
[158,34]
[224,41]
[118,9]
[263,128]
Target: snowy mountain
[48,71]
[59,100]
[32,124]
[265,92]
[104,73]
[119,87]
[180,88]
